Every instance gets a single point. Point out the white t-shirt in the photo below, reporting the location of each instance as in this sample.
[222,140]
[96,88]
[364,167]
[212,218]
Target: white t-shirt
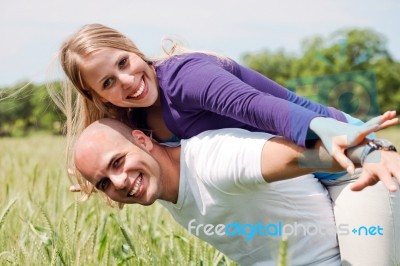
[223,199]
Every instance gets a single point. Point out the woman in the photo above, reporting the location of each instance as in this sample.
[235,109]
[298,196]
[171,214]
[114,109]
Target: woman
[185,93]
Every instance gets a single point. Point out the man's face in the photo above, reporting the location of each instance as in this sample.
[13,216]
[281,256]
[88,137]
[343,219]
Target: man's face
[125,171]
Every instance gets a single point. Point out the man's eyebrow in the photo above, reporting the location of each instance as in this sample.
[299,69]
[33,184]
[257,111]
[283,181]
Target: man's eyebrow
[112,159]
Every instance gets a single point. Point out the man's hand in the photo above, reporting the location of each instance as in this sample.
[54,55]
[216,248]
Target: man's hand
[338,136]
[379,165]
[75,188]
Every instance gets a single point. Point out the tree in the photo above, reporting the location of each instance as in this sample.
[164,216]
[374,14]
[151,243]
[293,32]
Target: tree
[24,109]
[349,69]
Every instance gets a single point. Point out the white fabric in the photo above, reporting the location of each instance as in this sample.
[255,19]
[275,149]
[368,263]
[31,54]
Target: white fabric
[221,183]
[372,207]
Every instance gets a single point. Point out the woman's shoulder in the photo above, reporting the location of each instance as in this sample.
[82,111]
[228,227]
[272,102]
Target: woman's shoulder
[181,59]
[179,64]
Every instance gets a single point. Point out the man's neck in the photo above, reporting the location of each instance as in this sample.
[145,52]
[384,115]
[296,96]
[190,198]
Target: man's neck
[169,161]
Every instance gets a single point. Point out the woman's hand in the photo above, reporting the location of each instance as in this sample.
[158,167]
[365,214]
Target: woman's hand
[338,136]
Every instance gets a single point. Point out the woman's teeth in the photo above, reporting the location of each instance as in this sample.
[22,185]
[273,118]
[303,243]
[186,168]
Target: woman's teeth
[139,91]
[137,186]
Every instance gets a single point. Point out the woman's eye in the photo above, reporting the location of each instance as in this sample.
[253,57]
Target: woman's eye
[123,62]
[107,83]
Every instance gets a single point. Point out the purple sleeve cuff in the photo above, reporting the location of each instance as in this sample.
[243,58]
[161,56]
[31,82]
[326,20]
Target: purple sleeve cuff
[336,114]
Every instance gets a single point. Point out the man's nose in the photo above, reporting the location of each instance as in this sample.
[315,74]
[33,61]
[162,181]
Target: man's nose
[119,180]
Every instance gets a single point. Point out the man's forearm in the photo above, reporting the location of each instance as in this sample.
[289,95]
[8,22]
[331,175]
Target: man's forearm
[319,159]
[282,159]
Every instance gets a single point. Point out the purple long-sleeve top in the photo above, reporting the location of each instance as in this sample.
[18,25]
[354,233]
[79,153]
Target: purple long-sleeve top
[200,92]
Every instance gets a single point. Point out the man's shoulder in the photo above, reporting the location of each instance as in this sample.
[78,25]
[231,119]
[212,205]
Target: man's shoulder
[229,133]
[225,158]
[213,143]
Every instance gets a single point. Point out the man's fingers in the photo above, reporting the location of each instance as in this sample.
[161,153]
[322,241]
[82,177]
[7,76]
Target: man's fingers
[387,180]
[369,179]
[359,185]
[363,181]
[70,171]
[75,188]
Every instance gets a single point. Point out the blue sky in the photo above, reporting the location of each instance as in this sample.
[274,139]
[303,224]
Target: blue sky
[32,31]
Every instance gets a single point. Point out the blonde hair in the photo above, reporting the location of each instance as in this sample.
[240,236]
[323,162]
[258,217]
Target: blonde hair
[83,106]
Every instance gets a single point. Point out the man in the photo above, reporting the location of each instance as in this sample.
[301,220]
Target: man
[220,186]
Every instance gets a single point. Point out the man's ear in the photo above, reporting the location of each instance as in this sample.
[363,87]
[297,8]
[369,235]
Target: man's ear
[142,139]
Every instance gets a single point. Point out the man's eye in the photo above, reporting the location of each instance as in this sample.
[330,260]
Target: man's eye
[116,163]
[123,62]
[103,184]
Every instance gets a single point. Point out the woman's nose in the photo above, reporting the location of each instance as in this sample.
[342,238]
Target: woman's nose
[126,80]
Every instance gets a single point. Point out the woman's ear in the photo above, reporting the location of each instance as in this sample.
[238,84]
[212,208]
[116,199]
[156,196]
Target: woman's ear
[142,139]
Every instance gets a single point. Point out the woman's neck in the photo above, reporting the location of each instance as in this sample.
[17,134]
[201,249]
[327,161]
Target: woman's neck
[156,124]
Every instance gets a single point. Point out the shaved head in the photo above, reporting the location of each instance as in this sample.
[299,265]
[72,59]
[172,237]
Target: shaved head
[93,138]
[106,126]
[126,164]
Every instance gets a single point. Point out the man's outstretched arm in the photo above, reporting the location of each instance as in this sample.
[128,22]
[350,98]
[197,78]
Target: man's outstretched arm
[282,159]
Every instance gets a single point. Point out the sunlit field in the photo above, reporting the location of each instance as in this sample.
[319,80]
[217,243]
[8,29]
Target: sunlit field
[392,134]
[41,222]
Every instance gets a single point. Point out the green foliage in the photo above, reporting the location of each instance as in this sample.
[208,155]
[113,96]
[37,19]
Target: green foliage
[277,65]
[24,109]
[283,253]
[41,222]
[360,54]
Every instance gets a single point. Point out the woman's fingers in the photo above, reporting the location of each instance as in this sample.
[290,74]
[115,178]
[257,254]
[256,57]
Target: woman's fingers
[343,160]
[382,121]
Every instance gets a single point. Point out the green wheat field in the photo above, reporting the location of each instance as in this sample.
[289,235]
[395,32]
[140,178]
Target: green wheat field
[42,223]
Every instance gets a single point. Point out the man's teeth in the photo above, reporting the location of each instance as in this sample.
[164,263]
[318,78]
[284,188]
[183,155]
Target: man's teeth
[137,186]
[139,91]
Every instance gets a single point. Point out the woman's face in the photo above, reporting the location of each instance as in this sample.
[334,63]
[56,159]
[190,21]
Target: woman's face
[120,77]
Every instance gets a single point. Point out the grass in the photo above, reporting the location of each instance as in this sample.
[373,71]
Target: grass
[41,222]
[393,134]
